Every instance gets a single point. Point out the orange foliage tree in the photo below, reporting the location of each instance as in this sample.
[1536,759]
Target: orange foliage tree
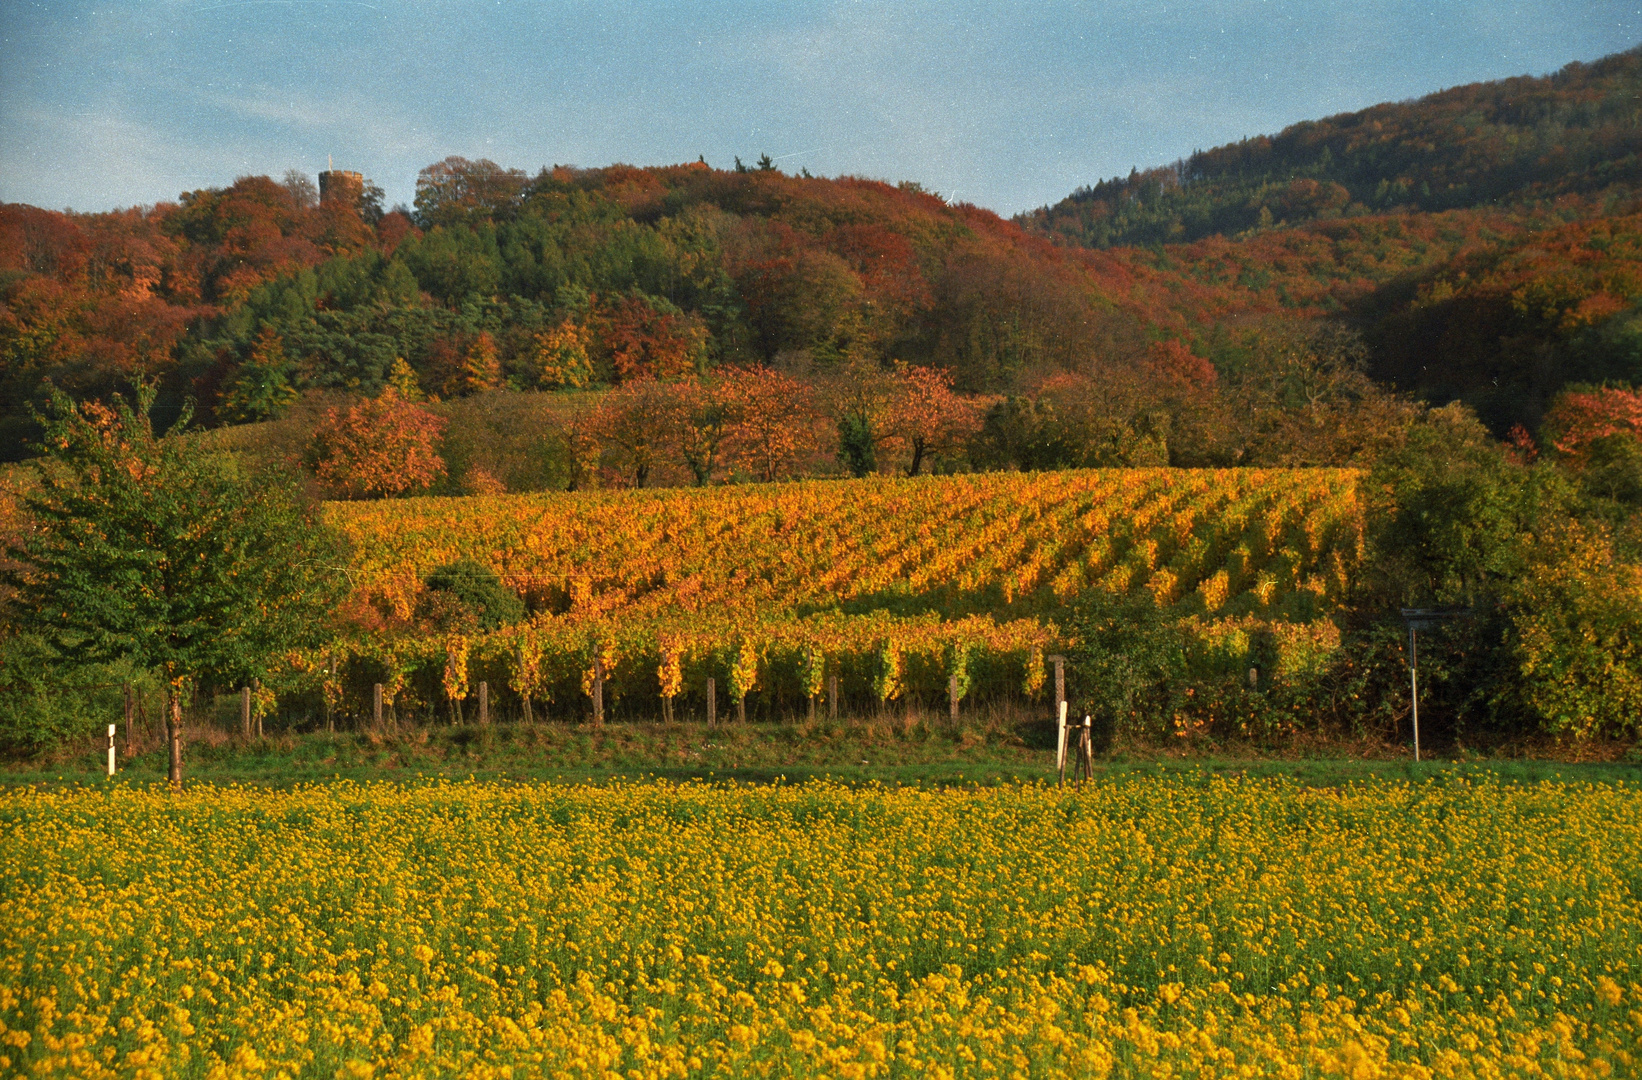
[775,427]
[378,448]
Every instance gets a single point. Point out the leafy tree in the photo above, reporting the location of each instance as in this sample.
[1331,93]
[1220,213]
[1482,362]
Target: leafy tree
[1447,513]
[457,191]
[1582,415]
[481,370]
[153,552]
[1576,634]
[378,448]
[559,357]
[262,388]
[706,410]
[926,417]
[633,423]
[862,398]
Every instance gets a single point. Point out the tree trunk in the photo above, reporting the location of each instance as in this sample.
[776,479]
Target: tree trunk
[174,739]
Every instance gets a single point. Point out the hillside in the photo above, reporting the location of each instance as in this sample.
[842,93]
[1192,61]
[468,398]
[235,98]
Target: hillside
[1519,140]
[1482,239]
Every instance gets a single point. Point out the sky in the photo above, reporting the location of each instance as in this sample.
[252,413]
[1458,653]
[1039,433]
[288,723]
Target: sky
[1006,105]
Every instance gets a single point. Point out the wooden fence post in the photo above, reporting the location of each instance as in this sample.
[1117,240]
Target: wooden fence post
[256,685]
[484,703]
[1060,682]
[376,706]
[712,701]
[245,712]
[832,695]
[598,690]
[952,697]
[130,714]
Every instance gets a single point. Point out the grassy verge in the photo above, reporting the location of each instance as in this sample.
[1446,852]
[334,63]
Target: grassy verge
[992,750]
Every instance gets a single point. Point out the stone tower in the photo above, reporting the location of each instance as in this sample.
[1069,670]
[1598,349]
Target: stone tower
[339,185]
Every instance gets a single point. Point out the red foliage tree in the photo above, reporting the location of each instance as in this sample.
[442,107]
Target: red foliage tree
[1578,418]
[638,341]
[926,417]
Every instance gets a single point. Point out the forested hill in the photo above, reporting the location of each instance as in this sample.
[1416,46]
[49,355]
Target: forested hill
[1578,131]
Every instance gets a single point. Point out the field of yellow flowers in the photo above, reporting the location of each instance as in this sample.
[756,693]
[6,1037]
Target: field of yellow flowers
[1185,926]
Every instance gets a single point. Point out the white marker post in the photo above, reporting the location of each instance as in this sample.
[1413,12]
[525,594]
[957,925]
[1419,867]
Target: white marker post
[111,749]
[1060,740]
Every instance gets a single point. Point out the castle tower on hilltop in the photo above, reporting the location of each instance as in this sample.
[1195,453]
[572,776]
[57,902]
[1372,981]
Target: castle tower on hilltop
[339,185]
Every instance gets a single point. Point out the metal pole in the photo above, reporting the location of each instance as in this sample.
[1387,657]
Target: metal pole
[1414,683]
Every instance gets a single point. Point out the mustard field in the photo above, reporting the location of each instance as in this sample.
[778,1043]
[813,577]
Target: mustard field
[1148,927]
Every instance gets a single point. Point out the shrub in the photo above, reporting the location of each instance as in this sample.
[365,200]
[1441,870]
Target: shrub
[470,593]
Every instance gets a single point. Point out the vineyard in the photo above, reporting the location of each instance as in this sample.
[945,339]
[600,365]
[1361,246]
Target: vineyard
[894,586]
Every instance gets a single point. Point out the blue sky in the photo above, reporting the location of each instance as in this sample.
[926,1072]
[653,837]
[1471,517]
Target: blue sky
[1005,105]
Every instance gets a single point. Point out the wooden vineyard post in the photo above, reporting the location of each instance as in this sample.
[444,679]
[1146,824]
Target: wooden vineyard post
[812,708]
[376,706]
[130,712]
[530,716]
[173,736]
[255,685]
[1060,683]
[598,691]
[484,703]
[952,698]
[832,696]
[712,701]
[741,709]
[330,676]
[666,710]
[245,712]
